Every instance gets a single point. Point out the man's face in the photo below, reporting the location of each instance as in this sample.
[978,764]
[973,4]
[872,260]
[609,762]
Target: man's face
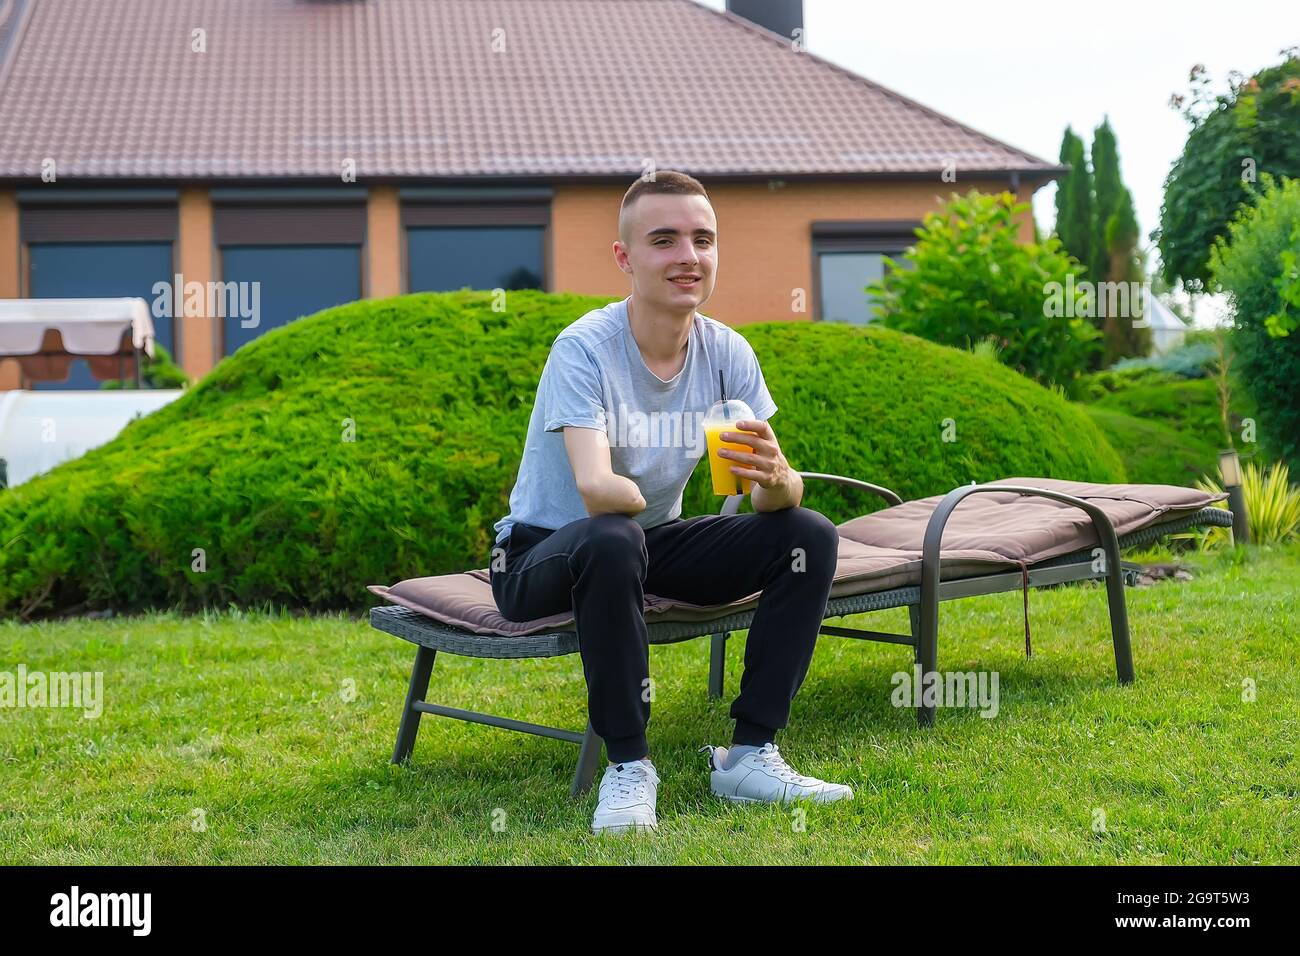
[669,236]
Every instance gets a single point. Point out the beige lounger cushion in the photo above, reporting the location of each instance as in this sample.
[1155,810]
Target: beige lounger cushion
[1025,528]
[877,552]
[465,600]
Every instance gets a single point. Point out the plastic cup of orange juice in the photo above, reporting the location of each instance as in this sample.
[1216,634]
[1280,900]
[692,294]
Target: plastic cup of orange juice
[722,417]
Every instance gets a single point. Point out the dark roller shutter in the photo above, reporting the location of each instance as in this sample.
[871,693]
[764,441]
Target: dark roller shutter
[290,224]
[475,214]
[98,223]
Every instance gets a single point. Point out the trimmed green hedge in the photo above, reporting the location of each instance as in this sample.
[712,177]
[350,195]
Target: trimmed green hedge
[1153,452]
[872,403]
[253,467]
[1188,406]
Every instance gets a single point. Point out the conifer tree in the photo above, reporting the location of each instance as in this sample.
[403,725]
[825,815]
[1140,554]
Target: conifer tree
[1074,218]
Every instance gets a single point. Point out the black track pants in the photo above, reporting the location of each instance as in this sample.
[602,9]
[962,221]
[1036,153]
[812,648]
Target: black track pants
[601,567]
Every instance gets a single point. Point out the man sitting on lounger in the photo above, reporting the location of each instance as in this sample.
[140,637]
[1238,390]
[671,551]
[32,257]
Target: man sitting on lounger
[595,521]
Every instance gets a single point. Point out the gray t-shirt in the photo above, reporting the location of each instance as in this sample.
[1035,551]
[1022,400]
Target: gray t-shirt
[595,377]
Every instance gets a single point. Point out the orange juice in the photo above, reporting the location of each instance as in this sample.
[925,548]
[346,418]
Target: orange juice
[722,417]
[724,482]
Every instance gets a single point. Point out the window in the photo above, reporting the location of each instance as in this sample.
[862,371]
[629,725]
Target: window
[285,254]
[291,281]
[843,276]
[477,238]
[75,270]
[847,257]
[443,258]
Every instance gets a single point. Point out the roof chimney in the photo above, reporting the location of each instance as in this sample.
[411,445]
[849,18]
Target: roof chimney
[782,17]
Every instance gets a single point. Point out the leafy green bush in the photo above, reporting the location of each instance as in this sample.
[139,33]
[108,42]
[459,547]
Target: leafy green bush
[973,279]
[157,372]
[1257,267]
[254,465]
[1153,452]
[1254,126]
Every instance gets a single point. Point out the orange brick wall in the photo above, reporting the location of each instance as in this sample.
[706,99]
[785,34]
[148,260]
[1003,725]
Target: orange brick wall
[383,252]
[10,286]
[765,246]
[195,257]
[764,237]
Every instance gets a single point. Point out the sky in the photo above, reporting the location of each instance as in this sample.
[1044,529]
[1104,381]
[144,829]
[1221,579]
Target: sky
[1021,71]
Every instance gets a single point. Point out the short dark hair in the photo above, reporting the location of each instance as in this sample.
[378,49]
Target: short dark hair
[664,181]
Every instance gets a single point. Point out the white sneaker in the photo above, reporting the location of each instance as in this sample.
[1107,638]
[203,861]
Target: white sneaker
[763,776]
[627,798]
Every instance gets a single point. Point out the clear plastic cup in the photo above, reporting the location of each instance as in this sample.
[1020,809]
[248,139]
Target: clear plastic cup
[722,417]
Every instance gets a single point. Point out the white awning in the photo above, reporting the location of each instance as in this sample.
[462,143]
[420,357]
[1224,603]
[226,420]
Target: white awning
[87,326]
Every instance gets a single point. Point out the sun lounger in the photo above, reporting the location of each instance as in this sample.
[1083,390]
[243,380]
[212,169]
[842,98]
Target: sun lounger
[1014,534]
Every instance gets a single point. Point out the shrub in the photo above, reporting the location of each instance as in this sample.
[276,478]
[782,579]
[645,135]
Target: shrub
[1188,406]
[254,466]
[973,279]
[1190,360]
[157,372]
[1257,267]
[1098,385]
[1272,506]
[1003,424]
[1255,125]
[1154,452]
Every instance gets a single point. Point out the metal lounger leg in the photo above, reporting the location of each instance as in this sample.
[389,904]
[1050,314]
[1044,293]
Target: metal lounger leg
[415,692]
[1118,610]
[927,652]
[588,762]
[717,663]
[927,640]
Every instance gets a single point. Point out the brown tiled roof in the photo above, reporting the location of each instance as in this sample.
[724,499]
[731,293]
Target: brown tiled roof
[413,89]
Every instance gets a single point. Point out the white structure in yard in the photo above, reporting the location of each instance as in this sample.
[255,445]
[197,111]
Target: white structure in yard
[1167,329]
[40,429]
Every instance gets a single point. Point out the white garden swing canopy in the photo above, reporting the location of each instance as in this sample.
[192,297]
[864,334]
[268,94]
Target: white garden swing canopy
[48,335]
[40,429]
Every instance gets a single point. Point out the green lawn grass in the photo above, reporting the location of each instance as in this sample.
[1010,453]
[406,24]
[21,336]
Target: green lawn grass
[243,716]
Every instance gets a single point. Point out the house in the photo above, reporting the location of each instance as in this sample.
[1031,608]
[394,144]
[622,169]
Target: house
[239,163]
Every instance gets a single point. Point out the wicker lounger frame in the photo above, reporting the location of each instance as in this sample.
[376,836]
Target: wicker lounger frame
[922,602]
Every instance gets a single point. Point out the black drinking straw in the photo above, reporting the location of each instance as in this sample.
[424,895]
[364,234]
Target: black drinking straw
[722,387]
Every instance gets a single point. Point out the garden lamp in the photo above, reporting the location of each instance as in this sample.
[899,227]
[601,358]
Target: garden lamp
[1230,469]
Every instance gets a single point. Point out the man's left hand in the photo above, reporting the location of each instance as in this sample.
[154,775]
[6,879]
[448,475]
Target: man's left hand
[778,485]
[765,466]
